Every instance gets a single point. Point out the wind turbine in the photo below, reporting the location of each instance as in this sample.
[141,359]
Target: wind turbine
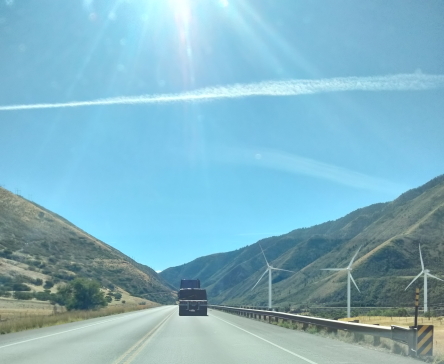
[349,277]
[269,269]
[426,273]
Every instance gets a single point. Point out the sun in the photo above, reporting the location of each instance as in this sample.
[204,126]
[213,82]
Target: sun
[182,10]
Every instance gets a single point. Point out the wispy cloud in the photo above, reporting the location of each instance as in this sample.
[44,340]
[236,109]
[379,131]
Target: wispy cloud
[295,164]
[401,82]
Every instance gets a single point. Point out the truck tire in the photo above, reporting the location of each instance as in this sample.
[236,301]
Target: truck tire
[182,311]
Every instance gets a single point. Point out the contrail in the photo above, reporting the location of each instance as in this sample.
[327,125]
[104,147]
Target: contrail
[401,82]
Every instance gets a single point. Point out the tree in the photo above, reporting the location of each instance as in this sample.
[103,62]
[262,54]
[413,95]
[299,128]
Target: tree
[81,294]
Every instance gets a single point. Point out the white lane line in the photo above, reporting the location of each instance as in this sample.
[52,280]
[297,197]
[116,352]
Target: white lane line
[62,332]
[269,342]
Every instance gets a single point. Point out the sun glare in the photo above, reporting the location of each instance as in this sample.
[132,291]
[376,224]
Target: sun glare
[182,11]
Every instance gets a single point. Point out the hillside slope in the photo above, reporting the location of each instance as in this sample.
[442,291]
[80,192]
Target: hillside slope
[37,243]
[389,234]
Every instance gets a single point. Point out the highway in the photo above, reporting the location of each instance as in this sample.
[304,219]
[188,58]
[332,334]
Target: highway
[159,335]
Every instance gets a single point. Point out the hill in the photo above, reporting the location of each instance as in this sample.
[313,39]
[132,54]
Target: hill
[389,234]
[38,245]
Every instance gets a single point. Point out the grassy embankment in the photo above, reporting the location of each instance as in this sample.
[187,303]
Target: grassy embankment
[26,321]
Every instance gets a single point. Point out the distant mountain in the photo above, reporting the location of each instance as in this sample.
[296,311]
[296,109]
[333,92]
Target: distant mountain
[388,232]
[37,243]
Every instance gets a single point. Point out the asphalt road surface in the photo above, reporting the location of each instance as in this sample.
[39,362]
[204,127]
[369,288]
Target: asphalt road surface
[159,335]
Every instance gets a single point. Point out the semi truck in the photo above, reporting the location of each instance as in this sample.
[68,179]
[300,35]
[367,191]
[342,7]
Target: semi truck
[192,298]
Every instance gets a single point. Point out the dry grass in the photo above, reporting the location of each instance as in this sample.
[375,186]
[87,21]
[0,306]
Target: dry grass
[129,300]
[12,308]
[31,321]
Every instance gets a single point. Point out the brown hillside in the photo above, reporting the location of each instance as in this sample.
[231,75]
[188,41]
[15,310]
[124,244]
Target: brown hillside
[38,243]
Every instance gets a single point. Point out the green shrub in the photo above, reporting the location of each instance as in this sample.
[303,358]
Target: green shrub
[6,253]
[20,287]
[82,294]
[23,295]
[48,284]
[43,296]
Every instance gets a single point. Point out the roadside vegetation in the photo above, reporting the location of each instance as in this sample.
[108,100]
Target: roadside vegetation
[80,299]
[37,321]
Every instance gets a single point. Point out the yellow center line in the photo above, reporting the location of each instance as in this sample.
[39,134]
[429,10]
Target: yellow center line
[129,355]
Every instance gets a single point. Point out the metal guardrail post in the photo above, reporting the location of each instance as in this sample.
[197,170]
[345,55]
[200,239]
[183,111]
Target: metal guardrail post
[376,340]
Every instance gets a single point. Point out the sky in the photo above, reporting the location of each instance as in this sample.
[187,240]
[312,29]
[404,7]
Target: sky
[173,129]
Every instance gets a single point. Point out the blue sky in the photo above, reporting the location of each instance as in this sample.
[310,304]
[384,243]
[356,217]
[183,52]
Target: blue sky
[168,182]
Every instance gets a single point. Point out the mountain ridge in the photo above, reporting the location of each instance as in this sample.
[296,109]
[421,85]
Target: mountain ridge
[388,232]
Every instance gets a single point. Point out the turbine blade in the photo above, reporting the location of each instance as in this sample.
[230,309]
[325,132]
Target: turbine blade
[430,275]
[420,257]
[260,279]
[334,269]
[264,255]
[285,270]
[354,256]
[414,279]
[354,283]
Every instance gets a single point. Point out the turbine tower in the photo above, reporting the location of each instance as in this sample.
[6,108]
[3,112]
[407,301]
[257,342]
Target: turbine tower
[426,273]
[269,269]
[349,277]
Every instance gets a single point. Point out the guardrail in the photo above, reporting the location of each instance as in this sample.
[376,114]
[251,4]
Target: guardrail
[395,333]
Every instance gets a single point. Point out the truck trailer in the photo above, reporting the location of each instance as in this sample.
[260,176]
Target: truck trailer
[192,298]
